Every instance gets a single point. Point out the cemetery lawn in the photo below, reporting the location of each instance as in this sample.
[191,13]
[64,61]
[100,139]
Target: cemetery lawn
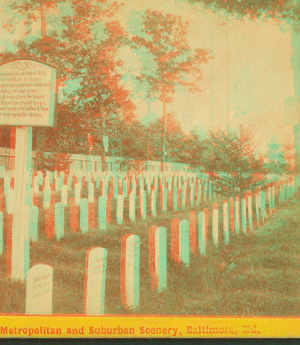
[258,274]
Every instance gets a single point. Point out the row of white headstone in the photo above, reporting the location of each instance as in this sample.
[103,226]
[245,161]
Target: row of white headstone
[83,203]
[29,211]
[40,277]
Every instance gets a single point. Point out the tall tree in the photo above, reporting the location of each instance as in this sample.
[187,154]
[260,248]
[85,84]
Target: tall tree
[232,164]
[275,157]
[164,37]
[86,55]
[31,11]
[287,14]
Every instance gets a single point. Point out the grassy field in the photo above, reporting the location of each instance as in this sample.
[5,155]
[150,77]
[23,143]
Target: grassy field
[258,274]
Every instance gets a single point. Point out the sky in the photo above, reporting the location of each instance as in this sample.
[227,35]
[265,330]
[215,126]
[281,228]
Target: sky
[244,84]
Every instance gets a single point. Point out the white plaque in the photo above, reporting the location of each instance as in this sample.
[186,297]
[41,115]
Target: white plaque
[28,92]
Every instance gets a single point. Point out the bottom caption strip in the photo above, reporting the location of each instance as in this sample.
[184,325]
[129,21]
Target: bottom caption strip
[139,327]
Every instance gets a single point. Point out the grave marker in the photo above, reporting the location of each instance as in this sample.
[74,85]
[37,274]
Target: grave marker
[192,193]
[165,200]
[170,196]
[183,195]
[142,204]
[199,195]
[120,207]
[244,222]
[33,223]
[256,197]
[226,222]
[125,188]
[180,242]
[263,205]
[77,193]
[157,257]
[250,210]
[130,271]
[102,212]
[49,221]
[175,240]
[91,191]
[184,243]
[59,224]
[64,195]
[269,196]
[215,227]
[84,217]
[39,290]
[46,196]
[193,231]
[205,190]
[108,207]
[91,214]
[73,215]
[202,232]
[132,205]
[175,197]
[237,215]
[95,276]
[153,202]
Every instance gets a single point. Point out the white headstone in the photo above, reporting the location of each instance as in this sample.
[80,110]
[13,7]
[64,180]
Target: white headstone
[132,206]
[95,275]
[120,207]
[215,227]
[64,194]
[59,220]
[33,223]
[91,195]
[39,290]
[226,222]
[250,211]
[77,193]
[130,271]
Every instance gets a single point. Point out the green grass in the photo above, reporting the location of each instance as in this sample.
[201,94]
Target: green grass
[258,274]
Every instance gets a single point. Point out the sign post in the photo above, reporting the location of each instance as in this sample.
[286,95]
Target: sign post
[28,91]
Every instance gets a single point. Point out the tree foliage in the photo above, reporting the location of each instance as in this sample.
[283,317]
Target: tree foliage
[278,9]
[88,69]
[232,163]
[275,157]
[164,38]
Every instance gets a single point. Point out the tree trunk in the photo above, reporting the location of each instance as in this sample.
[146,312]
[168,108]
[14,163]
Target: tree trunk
[103,157]
[164,130]
[27,26]
[147,132]
[43,22]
